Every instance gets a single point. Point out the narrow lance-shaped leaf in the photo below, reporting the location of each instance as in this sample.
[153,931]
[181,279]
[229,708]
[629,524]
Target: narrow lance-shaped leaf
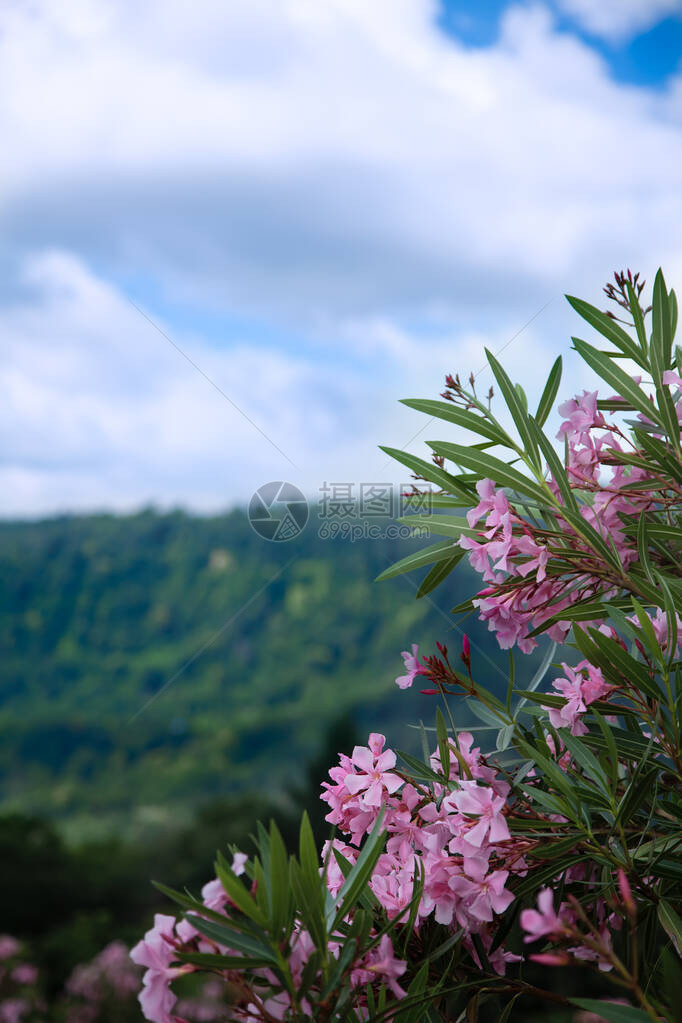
[554,464]
[516,407]
[464,418]
[612,1012]
[486,465]
[438,574]
[444,550]
[638,319]
[359,875]
[607,327]
[430,472]
[617,378]
[549,393]
[671,924]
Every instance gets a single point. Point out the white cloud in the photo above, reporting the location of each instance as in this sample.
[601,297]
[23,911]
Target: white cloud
[341,172]
[296,158]
[101,411]
[618,20]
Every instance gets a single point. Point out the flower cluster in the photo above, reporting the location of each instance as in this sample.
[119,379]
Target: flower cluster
[20,998]
[580,813]
[512,552]
[108,980]
[453,834]
[580,687]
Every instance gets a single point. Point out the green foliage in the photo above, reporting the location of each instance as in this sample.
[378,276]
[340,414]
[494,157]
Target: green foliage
[99,613]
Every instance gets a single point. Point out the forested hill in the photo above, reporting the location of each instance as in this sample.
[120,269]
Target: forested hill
[157,661]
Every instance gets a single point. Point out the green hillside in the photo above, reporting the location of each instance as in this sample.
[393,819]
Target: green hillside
[153,663]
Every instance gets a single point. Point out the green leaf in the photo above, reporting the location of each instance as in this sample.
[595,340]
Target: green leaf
[460,417]
[309,904]
[608,328]
[256,946]
[672,302]
[587,760]
[311,894]
[443,742]
[647,634]
[616,664]
[237,892]
[486,465]
[539,675]
[515,405]
[360,874]
[612,759]
[671,924]
[549,394]
[416,989]
[550,769]
[441,525]
[432,473]
[341,966]
[223,962]
[439,573]
[419,770]
[281,907]
[661,321]
[670,612]
[187,902]
[638,319]
[593,538]
[611,1011]
[555,466]
[434,552]
[509,1008]
[621,382]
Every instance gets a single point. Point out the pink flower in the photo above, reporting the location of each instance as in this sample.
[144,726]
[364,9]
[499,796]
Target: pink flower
[412,665]
[672,379]
[493,503]
[481,801]
[156,951]
[214,895]
[239,861]
[660,626]
[584,685]
[25,973]
[382,961]
[375,777]
[542,921]
[13,1010]
[9,946]
[484,894]
[580,414]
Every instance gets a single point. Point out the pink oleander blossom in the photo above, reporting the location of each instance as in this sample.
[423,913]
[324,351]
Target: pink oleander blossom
[659,624]
[373,776]
[543,921]
[25,973]
[583,685]
[480,801]
[156,952]
[9,946]
[381,963]
[580,415]
[412,665]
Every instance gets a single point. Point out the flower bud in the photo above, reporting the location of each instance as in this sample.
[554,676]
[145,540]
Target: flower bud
[629,903]
[551,958]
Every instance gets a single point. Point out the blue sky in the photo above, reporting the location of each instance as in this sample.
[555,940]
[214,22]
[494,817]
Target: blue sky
[645,53]
[324,206]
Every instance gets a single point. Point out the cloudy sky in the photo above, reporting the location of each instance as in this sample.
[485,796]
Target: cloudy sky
[235,232]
